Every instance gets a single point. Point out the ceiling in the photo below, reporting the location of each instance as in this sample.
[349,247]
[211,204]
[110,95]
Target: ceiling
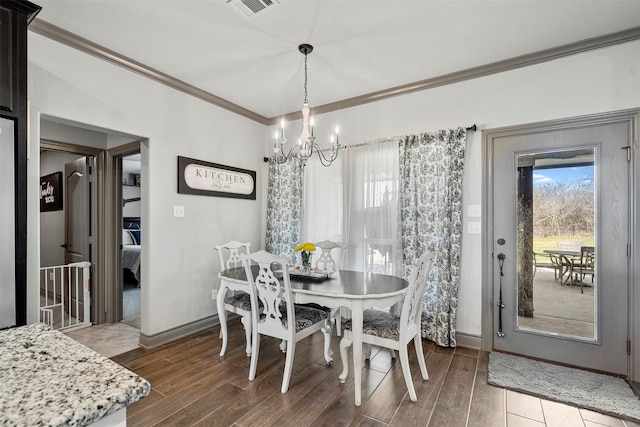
[360,47]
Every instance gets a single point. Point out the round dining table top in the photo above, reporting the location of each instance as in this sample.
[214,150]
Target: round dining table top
[343,283]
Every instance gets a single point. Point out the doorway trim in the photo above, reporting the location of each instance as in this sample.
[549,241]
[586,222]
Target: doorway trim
[99,202]
[114,216]
[632,118]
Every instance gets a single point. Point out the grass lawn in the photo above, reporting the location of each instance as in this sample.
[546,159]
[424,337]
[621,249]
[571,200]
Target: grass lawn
[542,243]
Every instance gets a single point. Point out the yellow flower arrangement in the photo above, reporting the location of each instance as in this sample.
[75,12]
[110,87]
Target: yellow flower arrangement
[307,246]
[305,250]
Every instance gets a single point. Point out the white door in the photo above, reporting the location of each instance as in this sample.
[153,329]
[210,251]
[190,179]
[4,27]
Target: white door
[77,208]
[553,188]
[77,211]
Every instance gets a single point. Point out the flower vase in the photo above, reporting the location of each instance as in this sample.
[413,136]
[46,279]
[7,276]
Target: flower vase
[306,263]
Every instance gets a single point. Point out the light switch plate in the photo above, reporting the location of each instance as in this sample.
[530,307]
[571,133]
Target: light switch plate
[473,211]
[474,227]
[178,211]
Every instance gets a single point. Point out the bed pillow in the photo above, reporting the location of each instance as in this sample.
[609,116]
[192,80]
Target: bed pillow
[136,236]
[127,238]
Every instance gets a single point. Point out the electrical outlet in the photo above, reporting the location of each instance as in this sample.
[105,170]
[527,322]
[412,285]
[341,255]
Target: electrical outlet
[214,294]
[178,211]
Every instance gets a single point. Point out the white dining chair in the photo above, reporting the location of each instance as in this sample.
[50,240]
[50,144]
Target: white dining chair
[395,332]
[237,302]
[268,277]
[327,262]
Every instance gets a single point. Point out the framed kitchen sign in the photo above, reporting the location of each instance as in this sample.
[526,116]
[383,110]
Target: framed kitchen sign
[51,192]
[212,179]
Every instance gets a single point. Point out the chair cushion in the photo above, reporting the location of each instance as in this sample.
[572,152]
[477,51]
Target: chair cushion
[305,316]
[379,323]
[241,300]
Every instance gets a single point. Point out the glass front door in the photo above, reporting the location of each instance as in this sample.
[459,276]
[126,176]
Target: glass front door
[560,223]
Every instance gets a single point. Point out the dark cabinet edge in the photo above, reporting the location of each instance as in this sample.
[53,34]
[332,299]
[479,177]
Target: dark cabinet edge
[22,6]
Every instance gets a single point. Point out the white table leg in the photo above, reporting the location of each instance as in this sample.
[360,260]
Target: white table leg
[222,316]
[356,328]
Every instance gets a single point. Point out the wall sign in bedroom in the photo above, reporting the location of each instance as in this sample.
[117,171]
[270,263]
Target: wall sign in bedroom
[51,192]
[211,179]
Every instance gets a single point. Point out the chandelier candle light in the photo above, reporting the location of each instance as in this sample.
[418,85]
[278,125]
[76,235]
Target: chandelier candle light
[306,144]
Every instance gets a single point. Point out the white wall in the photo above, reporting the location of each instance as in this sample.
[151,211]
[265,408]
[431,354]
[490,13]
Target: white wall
[61,132]
[598,81]
[7,225]
[178,263]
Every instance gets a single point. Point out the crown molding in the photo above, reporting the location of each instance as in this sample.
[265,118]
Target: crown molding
[65,37]
[60,35]
[484,70]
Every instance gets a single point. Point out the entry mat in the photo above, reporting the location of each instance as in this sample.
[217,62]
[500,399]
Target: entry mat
[589,390]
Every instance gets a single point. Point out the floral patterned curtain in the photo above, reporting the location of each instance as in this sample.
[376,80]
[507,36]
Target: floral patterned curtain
[431,168]
[284,207]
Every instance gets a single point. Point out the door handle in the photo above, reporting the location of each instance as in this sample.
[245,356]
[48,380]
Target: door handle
[64,246]
[501,258]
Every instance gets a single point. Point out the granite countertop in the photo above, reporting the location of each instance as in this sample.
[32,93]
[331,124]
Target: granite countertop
[47,378]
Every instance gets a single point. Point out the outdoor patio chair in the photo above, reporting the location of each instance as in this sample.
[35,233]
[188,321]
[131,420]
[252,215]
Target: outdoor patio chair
[585,265]
[543,260]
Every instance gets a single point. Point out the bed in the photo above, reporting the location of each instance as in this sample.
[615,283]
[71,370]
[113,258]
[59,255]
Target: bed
[131,247]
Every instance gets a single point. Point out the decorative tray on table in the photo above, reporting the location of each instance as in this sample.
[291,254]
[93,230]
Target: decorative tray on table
[311,276]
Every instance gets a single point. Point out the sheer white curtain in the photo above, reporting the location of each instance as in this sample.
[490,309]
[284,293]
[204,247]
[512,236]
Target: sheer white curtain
[355,201]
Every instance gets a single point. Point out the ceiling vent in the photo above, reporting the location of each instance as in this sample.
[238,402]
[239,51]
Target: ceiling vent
[251,7]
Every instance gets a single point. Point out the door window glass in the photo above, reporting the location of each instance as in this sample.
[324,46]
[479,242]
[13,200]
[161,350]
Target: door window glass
[556,223]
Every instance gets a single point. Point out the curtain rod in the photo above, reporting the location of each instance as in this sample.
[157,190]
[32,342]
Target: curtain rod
[471,128]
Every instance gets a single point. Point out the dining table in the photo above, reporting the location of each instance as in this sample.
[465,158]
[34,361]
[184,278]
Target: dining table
[355,290]
[566,262]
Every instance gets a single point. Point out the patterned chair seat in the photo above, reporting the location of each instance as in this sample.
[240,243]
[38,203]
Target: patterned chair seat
[241,300]
[379,323]
[305,316]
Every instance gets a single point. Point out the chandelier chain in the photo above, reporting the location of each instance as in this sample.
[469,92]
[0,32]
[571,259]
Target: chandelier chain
[306,144]
[306,101]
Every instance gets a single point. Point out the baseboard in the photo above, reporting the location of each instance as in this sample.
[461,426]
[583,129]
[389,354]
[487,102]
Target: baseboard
[150,341]
[468,340]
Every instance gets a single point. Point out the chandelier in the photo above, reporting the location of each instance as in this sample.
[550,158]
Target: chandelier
[306,145]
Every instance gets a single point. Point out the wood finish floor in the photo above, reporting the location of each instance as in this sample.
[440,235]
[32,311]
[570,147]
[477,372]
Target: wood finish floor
[193,386]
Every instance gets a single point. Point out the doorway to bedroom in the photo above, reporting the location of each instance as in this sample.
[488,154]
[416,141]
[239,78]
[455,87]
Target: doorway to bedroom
[131,239]
[104,151]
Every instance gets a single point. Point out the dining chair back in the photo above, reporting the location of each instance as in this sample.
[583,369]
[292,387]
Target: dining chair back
[268,276]
[229,253]
[326,261]
[237,302]
[587,265]
[394,332]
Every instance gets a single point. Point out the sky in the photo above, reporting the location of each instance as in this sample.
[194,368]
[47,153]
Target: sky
[568,175]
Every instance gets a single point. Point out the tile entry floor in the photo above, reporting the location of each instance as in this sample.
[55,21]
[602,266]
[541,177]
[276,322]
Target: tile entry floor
[108,339]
